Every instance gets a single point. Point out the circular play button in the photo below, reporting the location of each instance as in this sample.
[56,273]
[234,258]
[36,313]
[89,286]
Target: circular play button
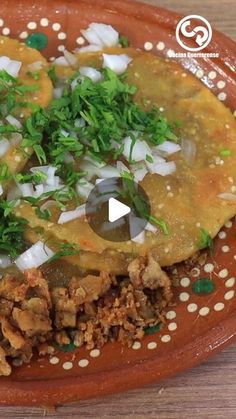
[118,209]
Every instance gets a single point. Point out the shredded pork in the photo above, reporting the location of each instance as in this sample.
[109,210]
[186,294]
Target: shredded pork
[90,311]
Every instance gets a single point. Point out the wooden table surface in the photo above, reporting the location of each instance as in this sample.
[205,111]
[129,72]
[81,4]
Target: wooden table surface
[204,392]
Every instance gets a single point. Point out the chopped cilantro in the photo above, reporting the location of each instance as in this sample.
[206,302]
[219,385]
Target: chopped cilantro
[123,41]
[4,172]
[66,249]
[11,231]
[225,152]
[43,214]
[34,74]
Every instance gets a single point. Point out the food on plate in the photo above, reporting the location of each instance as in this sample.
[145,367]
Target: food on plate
[105,111]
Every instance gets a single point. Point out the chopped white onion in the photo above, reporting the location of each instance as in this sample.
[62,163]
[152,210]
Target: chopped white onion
[67,216]
[108,172]
[4,146]
[13,121]
[12,67]
[1,190]
[89,48]
[75,82]
[62,61]
[39,190]
[26,189]
[5,261]
[48,204]
[36,65]
[151,227]
[91,73]
[101,34]
[94,162]
[70,58]
[136,228]
[139,171]
[189,150]
[139,150]
[117,63]
[121,167]
[84,189]
[57,92]
[34,257]
[51,178]
[168,148]
[162,168]
[227,196]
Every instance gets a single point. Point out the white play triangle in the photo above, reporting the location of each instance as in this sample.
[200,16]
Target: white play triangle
[117,210]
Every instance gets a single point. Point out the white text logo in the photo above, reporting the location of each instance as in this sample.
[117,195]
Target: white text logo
[201,33]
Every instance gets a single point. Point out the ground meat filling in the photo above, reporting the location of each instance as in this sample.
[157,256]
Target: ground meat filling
[90,311]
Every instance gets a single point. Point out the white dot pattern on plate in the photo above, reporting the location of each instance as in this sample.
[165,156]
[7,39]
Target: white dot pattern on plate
[6,31]
[184,296]
[67,365]
[32,25]
[204,311]
[184,282]
[23,35]
[44,22]
[222,235]
[225,249]
[83,363]
[148,46]
[172,326]
[152,345]
[94,353]
[219,306]
[222,96]
[221,84]
[54,360]
[1,22]
[136,345]
[61,35]
[223,273]
[212,75]
[234,113]
[80,40]
[199,73]
[228,224]
[229,295]
[170,315]
[160,46]
[195,272]
[61,48]
[209,267]
[56,27]
[192,307]
[165,338]
[230,282]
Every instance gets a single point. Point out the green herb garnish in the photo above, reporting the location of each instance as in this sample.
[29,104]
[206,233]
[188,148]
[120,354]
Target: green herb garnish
[66,249]
[205,240]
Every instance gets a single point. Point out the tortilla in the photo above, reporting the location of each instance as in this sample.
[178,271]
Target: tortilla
[188,199]
[15,50]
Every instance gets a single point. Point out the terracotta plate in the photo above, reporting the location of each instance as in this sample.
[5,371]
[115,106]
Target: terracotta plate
[203,318]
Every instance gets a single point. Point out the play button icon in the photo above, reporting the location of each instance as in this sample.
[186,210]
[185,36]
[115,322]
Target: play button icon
[117,209]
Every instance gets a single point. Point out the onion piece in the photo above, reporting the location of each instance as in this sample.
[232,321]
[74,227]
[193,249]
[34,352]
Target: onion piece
[116,63]
[67,216]
[5,261]
[108,172]
[13,68]
[14,193]
[121,167]
[167,148]
[26,189]
[84,189]
[4,146]
[137,229]
[4,61]
[94,162]
[57,92]
[62,61]
[162,168]
[80,123]
[34,257]
[227,196]
[189,150]
[139,150]
[91,73]
[151,227]
[70,58]
[48,204]
[15,138]
[89,48]
[139,171]
[13,121]
[68,158]
[1,190]
[101,34]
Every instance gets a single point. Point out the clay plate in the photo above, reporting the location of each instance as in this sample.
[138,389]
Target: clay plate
[202,320]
